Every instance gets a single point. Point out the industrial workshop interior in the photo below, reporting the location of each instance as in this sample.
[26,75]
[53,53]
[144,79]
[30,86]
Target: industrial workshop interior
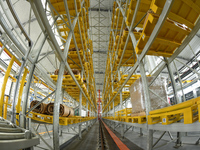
[99,74]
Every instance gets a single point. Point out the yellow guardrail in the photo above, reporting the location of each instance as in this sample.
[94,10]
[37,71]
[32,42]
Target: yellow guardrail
[188,111]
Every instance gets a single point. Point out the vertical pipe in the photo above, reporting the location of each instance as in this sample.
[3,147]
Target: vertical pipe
[17,85]
[87,109]
[80,98]
[80,107]
[114,114]
[122,130]
[120,94]
[58,97]
[99,106]
[3,88]
[151,63]
[1,49]
[5,107]
[173,83]
[141,134]
[180,81]
[90,111]
[20,95]
[113,109]
[18,22]
[147,104]
[28,83]
[87,114]
[10,92]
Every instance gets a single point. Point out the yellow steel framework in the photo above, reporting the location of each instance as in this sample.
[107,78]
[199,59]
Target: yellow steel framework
[187,111]
[3,88]
[62,120]
[20,95]
[83,42]
[5,107]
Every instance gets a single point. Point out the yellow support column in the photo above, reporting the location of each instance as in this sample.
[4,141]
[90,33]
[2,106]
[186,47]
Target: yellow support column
[20,95]
[5,107]
[4,83]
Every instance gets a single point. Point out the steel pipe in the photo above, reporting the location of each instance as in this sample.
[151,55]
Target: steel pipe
[28,84]
[12,36]
[58,98]
[19,23]
[10,130]
[12,25]
[11,136]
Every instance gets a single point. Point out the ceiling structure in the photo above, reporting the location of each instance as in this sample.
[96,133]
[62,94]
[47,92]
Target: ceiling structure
[100,23]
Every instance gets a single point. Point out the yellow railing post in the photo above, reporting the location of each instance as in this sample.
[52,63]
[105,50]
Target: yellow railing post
[20,94]
[5,107]
[3,88]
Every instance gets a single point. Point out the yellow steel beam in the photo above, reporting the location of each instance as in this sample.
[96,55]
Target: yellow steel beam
[3,88]
[5,107]
[20,94]
[19,63]
[13,78]
[36,78]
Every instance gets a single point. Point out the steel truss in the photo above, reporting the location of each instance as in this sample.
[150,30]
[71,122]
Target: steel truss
[99,21]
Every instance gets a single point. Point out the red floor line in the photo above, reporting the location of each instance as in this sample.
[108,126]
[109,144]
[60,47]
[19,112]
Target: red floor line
[119,143]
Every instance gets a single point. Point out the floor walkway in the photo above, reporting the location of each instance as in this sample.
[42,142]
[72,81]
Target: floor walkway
[88,141]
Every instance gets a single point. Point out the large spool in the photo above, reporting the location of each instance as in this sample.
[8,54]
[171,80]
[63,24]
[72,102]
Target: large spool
[65,111]
[42,108]
[75,72]
[57,71]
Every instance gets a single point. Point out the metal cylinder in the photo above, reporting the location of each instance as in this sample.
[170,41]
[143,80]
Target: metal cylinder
[11,136]
[10,130]
[42,108]
[65,111]
[6,125]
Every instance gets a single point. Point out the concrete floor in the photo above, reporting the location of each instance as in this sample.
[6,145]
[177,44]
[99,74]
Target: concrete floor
[130,144]
[67,134]
[88,141]
[165,143]
[90,138]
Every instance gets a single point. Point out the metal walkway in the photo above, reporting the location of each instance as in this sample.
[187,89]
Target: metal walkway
[88,141]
